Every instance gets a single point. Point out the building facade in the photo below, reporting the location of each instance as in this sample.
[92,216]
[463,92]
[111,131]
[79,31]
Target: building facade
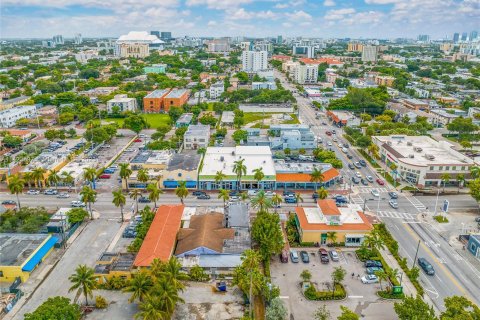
[254,60]
[196,137]
[137,44]
[123,102]
[176,98]
[9,117]
[154,101]
[369,53]
[216,90]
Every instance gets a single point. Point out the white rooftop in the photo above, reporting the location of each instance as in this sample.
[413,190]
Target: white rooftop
[348,214]
[140,36]
[77,167]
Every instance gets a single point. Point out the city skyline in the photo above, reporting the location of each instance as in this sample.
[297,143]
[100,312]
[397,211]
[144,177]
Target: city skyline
[328,18]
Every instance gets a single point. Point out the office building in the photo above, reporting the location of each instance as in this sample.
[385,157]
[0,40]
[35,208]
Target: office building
[121,103]
[263,46]
[473,35]
[464,36]
[456,37]
[355,47]
[155,33]
[422,161]
[196,137]
[58,39]
[307,51]
[369,53]
[137,44]
[218,45]
[78,38]
[48,44]
[9,117]
[254,60]
[279,39]
[292,136]
[166,36]
[423,38]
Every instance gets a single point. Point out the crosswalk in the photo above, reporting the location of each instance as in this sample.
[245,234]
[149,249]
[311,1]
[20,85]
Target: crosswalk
[416,203]
[369,190]
[356,199]
[395,215]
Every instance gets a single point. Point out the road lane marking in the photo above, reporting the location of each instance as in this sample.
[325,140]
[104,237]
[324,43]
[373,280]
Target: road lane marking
[356,297]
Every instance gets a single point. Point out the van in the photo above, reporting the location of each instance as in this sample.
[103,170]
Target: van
[284,256]
[294,256]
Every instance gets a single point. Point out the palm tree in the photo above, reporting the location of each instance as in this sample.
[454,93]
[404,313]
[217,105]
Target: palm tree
[89,174]
[392,274]
[445,177]
[240,170]
[224,195]
[373,151]
[135,194]
[172,271]
[67,178]
[475,172]
[119,200]
[322,193]
[382,276]
[244,196]
[316,177]
[38,175]
[219,177]
[125,173]
[298,198]
[261,202]
[53,178]
[83,281]
[258,175]
[460,181]
[88,196]
[16,185]
[276,201]
[181,191]
[151,309]
[166,292]
[139,286]
[374,241]
[154,193]
[27,176]
[332,236]
[142,175]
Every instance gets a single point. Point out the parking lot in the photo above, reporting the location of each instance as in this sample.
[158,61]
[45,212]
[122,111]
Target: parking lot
[361,298]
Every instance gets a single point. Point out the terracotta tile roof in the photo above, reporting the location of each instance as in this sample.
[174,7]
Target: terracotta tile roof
[206,231]
[328,175]
[328,207]
[320,60]
[20,133]
[320,227]
[161,237]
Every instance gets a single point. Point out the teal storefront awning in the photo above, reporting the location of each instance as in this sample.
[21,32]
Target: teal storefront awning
[39,255]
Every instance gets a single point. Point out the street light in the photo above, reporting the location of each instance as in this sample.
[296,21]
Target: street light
[436,202]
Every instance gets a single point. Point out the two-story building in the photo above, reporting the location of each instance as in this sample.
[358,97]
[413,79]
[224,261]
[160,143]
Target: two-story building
[196,137]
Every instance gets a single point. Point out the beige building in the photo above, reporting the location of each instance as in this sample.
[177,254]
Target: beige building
[355,47]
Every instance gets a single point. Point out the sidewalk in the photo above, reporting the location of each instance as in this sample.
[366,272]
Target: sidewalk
[408,288]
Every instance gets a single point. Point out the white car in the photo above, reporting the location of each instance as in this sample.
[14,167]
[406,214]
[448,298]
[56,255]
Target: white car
[63,195]
[358,174]
[234,198]
[329,144]
[77,204]
[252,192]
[370,278]
[269,193]
[393,204]
[375,193]
[340,145]
[33,192]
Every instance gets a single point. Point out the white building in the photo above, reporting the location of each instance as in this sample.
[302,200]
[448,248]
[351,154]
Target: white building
[137,44]
[218,45]
[58,39]
[369,53]
[305,73]
[123,102]
[264,85]
[78,38]
[422,161]
[196,137]
[216,90]
[254,60]
[8,117]
[307,51]
[84,56]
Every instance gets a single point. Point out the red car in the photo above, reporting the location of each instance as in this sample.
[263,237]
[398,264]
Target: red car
[105,176]
[380,182]
[137,140]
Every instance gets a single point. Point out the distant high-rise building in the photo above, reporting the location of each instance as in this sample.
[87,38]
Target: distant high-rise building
[78,38]
[58,39]
[304,50]
[464,36]
[369,53]
[456,37]
[155,33]
[166,36]
[218,45]
[279,39]
[355,47]
[473,35]
[48,44]
[254,60]
[423,38]
[137,44]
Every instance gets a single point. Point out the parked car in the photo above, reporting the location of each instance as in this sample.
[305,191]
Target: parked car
[144,200]
[137,140]
[290,199]
[364,182]
[380,182]
[351,166]
[393,195]
[358,174]
[369,178]
[329,144]
[426,266]
[304,256]
[269,193]
[375,193]
[105,176]
[77,204]
[323,255]
[349,156]
[362,163]
[63,195]
[50,192]
[369,278]
[109,171]
[284,256]
[197,193]
[288,193]
[233,193]
[372,270]
[252,192]
[373,263]
[393,204]
[294,256]
[203,197]
[357,165]
[334,255]
[315,196]
[355,180]
[8,202]
[33,192]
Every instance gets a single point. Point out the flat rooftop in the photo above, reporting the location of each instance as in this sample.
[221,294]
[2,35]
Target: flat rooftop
[348,215]
[77,167]
[199,130]
[342,115]
[187,160]
[46,160]
[176,93]
[415,101]
[422,150]
[16,248]
[157,93]
[444,114]
[152,157]
[185,118]
[228,116]
[281,166]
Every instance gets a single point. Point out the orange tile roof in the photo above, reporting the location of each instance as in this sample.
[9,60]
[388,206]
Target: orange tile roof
[328,207]
[15,132]
[162,235]
[320,227]
[305,177]
[320,60]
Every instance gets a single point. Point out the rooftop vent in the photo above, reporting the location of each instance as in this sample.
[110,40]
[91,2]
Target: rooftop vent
[411,156]
[430,156]
[409,143]
[417,149]
[222,158]
[233,153]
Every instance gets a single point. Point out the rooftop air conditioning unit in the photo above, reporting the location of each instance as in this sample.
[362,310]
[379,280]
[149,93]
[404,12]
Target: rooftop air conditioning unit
[222,158]
[411,156]
[409,143]
[233,153]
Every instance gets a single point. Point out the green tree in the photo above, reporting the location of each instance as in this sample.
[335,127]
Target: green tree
[322,193]
[219,177]
[172,271]
[11,141]
[306,275]
[83,280]
[276,201]
[135,122]
[181,191]
[316,177]
[466,144]
[240,135]
[347,314]
[322,313]
[89,174]
[460,181]
[266,232]
[38,175]
[224,195]
[298,198]
[56,308]
[152,309]
[197,273]
[475,172]
[135,194]
[276,310]
[88,196]
[67,178]
[53,178]
[457,307]
[142,176]
[76,215]
[240,169]
[382,276]
[445,177]
[338,275]
[154,193]
[411,308]
[261,202]
[332,236]
[139,285]
[119,200]
[258,175]
[16,186]
[125,173]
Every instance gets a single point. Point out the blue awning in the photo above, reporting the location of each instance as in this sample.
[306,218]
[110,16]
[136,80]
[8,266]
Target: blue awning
[39,255]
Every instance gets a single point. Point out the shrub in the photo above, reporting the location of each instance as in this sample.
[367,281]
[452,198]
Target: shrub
[312,294]
[441,219]
[114,283]
[388,295]
[100,302]
[307,244]
[198,274]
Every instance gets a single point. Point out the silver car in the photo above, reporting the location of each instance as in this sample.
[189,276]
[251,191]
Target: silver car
[334,255]
[393,204]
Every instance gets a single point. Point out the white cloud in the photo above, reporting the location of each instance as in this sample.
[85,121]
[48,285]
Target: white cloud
[242,14]
[329,3]
[338,14]
[211,23]
[281,5]
[299,16]
[218,4]
[381,1]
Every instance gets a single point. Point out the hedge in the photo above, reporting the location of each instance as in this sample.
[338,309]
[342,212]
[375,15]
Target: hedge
[312,294]
[369,159]
[388,295]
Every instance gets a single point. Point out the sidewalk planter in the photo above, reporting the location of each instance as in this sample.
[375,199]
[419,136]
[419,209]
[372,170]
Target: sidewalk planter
[390,296]
[311,293]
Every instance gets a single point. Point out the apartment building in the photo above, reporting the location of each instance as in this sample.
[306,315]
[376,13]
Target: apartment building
[369,53]
[137,44]
[415,104]
[305,73]
[384,80]
[355,47]
[154,101]
[196,137]
[292,136]
[216,90]
[254,60]
[218,45]
[176,98]
[9,117]
[123,102]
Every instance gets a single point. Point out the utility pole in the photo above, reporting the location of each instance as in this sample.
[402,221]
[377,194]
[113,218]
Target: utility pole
[416,254]
[436,202]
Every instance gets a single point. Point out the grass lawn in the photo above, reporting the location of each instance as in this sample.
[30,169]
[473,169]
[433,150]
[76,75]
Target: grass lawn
[440,219]
[155,120]
[293,121]
[253,116]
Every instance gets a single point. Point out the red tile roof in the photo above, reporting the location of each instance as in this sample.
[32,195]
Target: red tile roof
[328,207]
[161,237]
[320,60]
[305,177]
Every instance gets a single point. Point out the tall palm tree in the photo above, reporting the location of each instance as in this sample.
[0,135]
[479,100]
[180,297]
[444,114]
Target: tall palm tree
[16,185]
[27,176]
[382,276]
[373,151]
[224,195]
[276,201]
[475,172]
[67,178]
[219,177]
[172,271]
[240,170]
[322,193]
[298,198]
[244,196]
[154,193]
[166,292]
[119,200]
[392,274]
[89,174]
[261,202]
[151,309]
[316,177]
[374,241]
[445,177]
[83,281]
[460,181]
[88,196]
[258,175]
[332,236]
[181,191]
[38,175]
[125,173]
[135,194]
[139,285]
[142,175]
[53,178]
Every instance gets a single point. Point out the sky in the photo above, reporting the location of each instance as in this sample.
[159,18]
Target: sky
[252,18]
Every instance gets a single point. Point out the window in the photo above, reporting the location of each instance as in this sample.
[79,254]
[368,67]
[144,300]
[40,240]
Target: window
[431,168]
[454,168]
[440,168]
[447,168]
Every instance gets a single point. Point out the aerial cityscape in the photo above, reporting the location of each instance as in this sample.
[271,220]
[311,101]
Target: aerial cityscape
[240,159]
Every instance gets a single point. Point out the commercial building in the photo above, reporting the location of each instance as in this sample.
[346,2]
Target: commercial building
[176,98]
[122,103]
[184,120]
[154,102]
[292,136]
[254,60]
[155,68]
[473,245]
[21,253]
[442,117]
[111,265]
[264,85]
[349,223]
[343,118]
[218,45]
[159,243]
[216,90]
[137,44]
[296,175]
[422,161]
[196,137]
[181,167]
[369,53]
[8,117]
[307,51]
[166,36]
[302,73]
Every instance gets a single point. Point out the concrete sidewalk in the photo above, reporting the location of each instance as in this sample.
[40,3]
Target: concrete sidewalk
[408,287]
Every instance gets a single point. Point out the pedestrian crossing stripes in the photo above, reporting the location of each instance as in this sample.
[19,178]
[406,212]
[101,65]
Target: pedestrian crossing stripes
[395,215]
[356,199]
[416,203]
[369,190]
